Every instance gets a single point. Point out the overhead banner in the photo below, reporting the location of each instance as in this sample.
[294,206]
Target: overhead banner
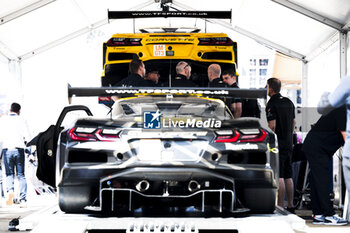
[173,14]
[186,91]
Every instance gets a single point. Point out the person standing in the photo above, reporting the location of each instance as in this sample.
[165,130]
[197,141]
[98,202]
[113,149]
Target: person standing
[14,133]
[329,101]
[152,77]
[229,77]
[280,114]
[214,73]
[137,72]
[183,74]
[320,144]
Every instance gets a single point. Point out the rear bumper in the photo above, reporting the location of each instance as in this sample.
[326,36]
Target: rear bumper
[137,188]
[251,176]
[115,190]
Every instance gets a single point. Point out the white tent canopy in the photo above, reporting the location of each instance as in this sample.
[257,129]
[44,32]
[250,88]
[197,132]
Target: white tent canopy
[62,39]
[296,27]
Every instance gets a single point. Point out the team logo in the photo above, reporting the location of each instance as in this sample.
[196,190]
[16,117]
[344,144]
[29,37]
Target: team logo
[151,120]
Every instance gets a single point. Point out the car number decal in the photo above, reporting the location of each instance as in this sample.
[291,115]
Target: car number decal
[159,50]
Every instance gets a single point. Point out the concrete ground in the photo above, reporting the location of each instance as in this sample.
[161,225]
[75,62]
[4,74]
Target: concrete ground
[43,202]
[307,216]
[7,213]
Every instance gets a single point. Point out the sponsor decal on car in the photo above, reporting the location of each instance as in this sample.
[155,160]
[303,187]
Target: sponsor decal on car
[166,91]
[248,146]
[167,134]
[153,120]
[192,123]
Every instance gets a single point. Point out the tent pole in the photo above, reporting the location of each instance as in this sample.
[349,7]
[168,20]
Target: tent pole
[304,102]
[24,10]
[343,46]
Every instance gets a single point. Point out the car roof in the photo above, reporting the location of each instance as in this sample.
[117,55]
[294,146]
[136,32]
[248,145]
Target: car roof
[172,105]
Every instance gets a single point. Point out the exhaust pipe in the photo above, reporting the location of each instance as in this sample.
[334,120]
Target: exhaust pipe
[193,186]
[142,186]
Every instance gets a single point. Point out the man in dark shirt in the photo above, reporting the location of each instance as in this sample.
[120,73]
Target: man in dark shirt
[152,77]
[136,78]
[183,74]
[229,77]
[323,140]
[281,119]
[250,108]
[214,72]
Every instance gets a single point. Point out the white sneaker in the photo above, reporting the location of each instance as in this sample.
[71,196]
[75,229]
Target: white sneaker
[318,219]
[335,220]
[23,204]
[9,200]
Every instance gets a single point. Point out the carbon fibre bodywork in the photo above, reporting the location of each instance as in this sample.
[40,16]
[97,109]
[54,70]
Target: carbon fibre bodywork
[117,166]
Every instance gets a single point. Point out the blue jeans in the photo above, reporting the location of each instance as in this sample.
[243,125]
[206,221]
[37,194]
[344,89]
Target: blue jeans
[1,185]
[15,159]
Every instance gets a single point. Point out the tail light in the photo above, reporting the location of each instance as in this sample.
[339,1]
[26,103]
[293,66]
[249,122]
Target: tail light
[225,41]
[124,42]
[107,135]
[244,135]
[232,137]
[82,134]
[93,134]
[259,137]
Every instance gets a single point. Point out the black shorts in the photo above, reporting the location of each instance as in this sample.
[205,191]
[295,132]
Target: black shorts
[285,158]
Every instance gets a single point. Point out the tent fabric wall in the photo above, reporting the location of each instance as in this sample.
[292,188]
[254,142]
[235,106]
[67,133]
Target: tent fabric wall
[77,63]
[4,72]
[11,82]
[269,20]
[323,73]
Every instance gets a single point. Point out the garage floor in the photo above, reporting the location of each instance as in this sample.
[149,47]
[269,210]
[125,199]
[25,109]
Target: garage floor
[46,203]
[7,213]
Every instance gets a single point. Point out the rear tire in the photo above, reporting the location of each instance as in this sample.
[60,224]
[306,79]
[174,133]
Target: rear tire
[260,200]
[73,199]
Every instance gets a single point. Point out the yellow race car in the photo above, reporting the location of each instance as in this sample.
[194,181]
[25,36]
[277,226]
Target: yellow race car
[162,48]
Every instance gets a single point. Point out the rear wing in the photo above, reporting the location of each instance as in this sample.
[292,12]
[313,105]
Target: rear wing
[161,91]
[165,13]
[171,14]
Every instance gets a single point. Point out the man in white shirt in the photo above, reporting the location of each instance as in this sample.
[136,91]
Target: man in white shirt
[13,133]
